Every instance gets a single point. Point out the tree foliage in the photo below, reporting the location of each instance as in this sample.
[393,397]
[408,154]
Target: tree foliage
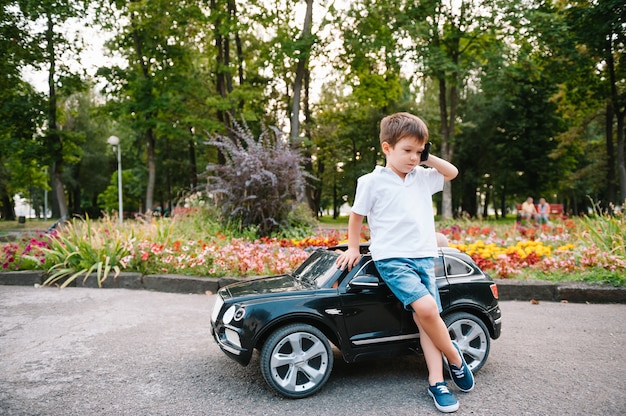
[486,75]
[20,113]
[48,46]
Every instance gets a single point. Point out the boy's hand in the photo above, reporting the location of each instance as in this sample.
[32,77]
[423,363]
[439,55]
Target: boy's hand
[349,258]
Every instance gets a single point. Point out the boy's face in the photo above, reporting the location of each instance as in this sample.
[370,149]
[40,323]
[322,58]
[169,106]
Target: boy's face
[404,156]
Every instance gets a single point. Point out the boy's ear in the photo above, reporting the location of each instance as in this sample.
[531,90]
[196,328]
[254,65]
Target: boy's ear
[385,146]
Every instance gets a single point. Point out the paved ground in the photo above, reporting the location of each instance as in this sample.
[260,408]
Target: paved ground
[83,351]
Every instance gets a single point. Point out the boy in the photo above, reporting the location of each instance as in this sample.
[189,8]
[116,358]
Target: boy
[397,201]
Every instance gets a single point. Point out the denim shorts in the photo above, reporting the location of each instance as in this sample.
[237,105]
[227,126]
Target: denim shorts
[410,279]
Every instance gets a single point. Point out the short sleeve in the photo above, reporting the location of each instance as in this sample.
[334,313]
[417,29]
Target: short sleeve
[363,196]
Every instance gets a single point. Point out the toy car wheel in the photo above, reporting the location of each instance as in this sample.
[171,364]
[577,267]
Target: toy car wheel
[472,336]
[296,360]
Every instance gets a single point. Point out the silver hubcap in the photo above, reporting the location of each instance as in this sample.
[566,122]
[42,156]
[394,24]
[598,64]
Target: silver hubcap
[471,339]
[299,362]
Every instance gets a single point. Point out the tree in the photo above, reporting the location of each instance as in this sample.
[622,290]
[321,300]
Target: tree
[21,165]
[448,45]
[161,93]
[304,50]
[20,113]
[86,168]
[347,139]
[599,36]
[507,148]
[51,14]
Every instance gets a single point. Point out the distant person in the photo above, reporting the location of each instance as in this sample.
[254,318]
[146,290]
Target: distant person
[544,211]
[529,212]
[397,200]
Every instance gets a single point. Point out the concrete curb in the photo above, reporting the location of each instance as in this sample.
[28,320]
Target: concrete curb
[559,292]
[522,290]
[159,282]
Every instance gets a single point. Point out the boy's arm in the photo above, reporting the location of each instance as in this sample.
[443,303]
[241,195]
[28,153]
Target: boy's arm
[447,169]
[352,255]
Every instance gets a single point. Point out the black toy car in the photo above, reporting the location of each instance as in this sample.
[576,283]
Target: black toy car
[293,319]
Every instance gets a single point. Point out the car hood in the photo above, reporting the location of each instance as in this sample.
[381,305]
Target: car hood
[265,286]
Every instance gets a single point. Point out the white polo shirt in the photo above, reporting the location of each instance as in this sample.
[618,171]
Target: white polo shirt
[399,212]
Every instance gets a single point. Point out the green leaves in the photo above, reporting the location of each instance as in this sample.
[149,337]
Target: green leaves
[78,252]
[607,231]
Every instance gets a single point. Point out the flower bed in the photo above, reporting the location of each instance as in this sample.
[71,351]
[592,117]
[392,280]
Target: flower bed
[26,253]
[560,251]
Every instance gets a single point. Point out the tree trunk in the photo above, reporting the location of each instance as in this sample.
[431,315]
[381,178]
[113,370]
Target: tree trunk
[193,165]
[8,212]
[300,72]
[621,163]
[312,186]
[447,132]
[223,61]
[56,145]
[232,6]
[619,113]
[151,140]
[610,154]
[149,134]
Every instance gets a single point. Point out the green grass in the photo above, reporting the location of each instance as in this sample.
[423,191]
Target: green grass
[595,276]
[30,224]
[328,220]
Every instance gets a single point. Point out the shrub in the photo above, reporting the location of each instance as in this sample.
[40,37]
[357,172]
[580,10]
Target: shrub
[259,182]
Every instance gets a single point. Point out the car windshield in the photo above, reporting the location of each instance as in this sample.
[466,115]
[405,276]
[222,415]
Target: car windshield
[318,269]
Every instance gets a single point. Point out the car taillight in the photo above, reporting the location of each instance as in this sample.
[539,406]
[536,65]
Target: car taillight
[494,290]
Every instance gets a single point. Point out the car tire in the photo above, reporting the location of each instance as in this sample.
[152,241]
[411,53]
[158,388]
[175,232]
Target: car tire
[472,336]
[296,360]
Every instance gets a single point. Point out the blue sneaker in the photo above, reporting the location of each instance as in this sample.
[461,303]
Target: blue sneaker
[444,400]
[462,377]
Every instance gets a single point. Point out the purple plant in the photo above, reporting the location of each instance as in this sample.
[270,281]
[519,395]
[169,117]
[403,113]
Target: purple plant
[258,184]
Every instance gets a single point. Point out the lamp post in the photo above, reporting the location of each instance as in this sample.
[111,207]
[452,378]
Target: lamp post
[115,142]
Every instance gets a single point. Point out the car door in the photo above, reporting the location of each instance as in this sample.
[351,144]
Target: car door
[373,316]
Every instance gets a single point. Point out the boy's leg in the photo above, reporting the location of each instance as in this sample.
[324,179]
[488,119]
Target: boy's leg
[432,355]
[428,320]
[437,388]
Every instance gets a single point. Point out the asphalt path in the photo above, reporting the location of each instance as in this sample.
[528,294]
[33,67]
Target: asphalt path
[82,351]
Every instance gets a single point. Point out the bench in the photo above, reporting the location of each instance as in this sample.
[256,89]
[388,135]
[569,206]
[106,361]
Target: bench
[555,211]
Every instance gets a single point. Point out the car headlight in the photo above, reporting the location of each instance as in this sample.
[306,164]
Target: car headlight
[234,313]
[219,302]
[228,315]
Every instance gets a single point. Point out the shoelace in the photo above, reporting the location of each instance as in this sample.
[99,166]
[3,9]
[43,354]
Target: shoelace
[443,389]
[458,372]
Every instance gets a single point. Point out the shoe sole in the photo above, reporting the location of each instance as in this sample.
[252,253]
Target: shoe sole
[463,364]
[445,409]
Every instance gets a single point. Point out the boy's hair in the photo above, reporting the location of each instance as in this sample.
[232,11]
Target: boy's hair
[400,125]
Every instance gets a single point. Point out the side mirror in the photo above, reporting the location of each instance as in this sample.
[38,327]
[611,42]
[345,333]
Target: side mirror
[363,282]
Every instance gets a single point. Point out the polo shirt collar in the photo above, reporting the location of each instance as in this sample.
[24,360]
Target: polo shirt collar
[385,169]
